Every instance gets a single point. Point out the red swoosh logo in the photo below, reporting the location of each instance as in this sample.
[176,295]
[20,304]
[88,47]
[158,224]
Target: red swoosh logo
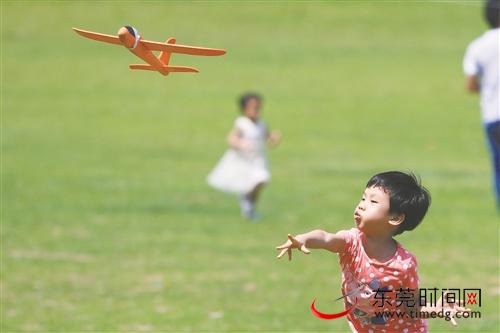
[331,315]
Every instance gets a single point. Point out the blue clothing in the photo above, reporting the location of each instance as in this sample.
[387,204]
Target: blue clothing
[493,135]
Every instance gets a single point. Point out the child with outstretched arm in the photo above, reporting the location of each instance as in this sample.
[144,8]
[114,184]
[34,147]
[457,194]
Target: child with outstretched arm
[372,261]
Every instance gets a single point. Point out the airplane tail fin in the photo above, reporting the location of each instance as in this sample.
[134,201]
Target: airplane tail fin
[164,56]
[164,69]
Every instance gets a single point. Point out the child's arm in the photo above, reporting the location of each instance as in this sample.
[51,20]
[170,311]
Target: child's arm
[235,141]
[451,308]
[472,83]
[316,239]
[442,304]
[274,137]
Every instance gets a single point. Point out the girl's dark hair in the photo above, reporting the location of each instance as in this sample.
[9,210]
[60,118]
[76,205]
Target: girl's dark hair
[246,97]
[492,13]
[407,196]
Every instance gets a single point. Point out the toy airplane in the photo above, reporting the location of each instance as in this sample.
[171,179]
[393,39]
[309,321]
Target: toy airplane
[130,38]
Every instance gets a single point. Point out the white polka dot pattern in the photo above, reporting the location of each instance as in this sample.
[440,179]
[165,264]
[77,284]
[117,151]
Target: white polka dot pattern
[398,272]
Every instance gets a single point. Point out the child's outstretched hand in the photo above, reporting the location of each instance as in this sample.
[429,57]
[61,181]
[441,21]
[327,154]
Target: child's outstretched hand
[274,137]
[291,243]
[452,308]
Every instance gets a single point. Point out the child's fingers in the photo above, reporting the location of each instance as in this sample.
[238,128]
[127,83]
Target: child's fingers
[304,249]
[459,307]
[282,253]
[282,246]
[294,242]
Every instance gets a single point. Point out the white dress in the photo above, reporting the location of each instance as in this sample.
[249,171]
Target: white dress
[237,171]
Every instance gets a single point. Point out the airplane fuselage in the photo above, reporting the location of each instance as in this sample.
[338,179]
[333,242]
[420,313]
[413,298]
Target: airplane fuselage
[130,38]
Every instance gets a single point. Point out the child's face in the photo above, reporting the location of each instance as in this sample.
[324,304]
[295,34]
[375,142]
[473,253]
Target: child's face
[372,213]
[252,109]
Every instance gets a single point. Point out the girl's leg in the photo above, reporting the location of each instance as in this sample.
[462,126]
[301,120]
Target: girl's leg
[248,201]
[246,207]
[254,195]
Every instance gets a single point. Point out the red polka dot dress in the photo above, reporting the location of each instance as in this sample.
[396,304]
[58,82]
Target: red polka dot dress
[377,289]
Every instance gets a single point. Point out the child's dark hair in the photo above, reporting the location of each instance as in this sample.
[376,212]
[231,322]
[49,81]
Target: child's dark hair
[492,13]
[246,97]
[407,196]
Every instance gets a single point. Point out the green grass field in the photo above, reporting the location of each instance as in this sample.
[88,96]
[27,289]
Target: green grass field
[107,222]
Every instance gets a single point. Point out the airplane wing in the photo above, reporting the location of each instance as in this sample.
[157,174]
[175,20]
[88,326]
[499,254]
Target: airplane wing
[99,37]
[183,69]
[184,49]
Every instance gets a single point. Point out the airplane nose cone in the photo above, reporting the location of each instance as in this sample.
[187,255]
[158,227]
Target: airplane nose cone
[127,36]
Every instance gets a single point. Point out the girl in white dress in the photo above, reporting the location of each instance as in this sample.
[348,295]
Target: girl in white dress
[243,169]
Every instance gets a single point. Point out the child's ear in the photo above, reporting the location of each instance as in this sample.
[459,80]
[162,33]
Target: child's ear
[396,220]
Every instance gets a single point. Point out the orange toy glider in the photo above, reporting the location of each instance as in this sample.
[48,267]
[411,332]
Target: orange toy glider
[130,38]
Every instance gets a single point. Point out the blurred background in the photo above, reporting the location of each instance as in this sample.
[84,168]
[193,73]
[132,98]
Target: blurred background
[107,221]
